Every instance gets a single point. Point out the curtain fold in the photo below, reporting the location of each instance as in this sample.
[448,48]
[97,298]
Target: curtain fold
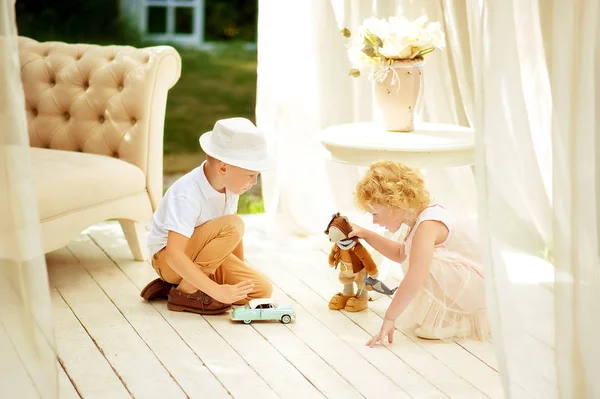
[514,203]
[28,364]
[575,139]
[298,93]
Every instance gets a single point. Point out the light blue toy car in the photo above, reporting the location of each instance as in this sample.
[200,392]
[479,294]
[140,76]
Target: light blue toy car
[263,309]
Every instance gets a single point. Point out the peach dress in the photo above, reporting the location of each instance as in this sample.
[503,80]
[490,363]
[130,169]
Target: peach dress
[451,303]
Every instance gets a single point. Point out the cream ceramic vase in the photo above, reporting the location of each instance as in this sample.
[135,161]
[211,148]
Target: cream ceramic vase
[396,90]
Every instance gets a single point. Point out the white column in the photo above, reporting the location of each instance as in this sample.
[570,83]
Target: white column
[199,15]
[171,19]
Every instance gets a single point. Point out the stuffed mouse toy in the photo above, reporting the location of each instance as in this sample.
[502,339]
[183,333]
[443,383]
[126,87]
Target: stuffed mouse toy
[354,261]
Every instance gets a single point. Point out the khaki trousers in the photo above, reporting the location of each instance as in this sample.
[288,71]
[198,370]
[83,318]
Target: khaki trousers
[211,248]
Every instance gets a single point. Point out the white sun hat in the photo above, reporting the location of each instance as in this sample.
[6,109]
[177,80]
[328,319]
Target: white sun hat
[237,142]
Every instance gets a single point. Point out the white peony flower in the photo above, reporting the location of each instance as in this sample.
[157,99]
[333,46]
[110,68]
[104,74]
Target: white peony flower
[399,24]
[420,22]
[378,27]
[398,37]
[396,47]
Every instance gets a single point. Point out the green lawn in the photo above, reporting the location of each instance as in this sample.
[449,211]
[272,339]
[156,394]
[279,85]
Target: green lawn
[213,85]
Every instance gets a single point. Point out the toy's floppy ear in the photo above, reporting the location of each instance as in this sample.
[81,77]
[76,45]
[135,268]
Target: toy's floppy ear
[333,217]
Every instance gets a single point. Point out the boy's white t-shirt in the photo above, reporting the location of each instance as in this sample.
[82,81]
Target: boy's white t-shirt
[190,202]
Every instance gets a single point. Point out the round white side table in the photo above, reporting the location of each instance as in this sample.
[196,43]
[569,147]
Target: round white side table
[430,145]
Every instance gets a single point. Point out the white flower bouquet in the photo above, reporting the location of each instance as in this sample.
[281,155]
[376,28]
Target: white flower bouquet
[381,43]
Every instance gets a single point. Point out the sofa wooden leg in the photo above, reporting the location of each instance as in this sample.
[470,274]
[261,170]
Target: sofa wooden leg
[136,238]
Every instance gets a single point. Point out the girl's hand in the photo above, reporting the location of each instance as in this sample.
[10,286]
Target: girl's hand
[387,329]
[358,231]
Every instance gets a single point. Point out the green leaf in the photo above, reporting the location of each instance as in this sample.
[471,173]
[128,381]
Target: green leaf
[373,39]
[378,41]
[355,73]
[369,51]
[346,32]
[425,51]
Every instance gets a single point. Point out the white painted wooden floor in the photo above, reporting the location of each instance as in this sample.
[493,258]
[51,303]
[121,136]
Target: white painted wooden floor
[112,344]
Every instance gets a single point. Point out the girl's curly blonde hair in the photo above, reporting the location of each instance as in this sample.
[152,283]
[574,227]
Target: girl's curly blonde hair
[393,185]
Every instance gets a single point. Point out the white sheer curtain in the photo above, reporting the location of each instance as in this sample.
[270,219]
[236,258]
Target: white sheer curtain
[523,74]
[575,142]
[27,356]
[538,191]
[302,88]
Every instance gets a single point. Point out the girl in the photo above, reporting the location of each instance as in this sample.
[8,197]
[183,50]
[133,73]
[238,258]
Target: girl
[442,292]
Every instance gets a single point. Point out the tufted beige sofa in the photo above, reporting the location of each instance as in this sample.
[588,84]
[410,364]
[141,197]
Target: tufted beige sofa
[95,119]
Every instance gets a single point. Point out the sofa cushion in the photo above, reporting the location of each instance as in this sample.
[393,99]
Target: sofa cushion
[67,181]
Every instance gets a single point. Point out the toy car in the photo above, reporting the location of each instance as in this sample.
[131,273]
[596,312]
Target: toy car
[263,309]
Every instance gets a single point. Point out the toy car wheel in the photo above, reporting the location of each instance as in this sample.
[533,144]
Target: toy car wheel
[286,319]
[247,321]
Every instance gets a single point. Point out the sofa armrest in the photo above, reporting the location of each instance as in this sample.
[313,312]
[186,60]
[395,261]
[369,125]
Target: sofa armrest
[106,100]
[167,74]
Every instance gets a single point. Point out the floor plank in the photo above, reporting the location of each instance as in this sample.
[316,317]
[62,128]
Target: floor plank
[141,372]
[26,356]
[308,362]
[222,360]
[83,362]
[14,379]
[285,380]
[183,364]
[343,357]
[218,355]
[484,351]
[66,390]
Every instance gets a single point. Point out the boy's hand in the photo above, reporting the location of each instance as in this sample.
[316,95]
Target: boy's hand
[229,294]
[358,231]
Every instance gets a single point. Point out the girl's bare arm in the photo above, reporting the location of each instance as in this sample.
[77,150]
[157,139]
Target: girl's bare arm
[421,255]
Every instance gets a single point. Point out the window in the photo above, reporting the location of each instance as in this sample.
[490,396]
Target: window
[194,22]
[177,21]
[157,20]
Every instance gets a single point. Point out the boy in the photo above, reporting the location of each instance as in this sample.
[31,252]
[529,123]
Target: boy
[196,238]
